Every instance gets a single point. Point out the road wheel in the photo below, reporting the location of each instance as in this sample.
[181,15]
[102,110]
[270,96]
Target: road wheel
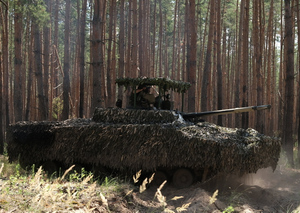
[183,178]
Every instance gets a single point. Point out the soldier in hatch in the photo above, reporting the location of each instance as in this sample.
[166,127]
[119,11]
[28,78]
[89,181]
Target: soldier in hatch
[144,98]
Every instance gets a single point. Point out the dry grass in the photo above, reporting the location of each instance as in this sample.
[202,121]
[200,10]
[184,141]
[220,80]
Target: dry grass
[33,191]
[21,191]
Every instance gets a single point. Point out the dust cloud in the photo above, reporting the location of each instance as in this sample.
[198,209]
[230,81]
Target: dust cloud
[264,191]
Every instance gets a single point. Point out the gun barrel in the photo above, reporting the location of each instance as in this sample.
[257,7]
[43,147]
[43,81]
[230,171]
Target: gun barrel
[225,111]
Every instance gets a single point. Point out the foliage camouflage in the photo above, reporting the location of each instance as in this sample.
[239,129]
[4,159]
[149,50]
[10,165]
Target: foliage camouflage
[139,142]
[130,116]
[164,83]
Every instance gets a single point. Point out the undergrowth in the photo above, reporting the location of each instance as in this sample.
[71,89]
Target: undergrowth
[35,191]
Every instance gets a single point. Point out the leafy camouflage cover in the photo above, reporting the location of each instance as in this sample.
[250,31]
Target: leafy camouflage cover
[142,139]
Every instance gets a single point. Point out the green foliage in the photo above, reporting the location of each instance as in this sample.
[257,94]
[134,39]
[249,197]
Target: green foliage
[230,15]
[18,168]
[109,181]
[36,9]
[229,209]
[57,107]
[79,176]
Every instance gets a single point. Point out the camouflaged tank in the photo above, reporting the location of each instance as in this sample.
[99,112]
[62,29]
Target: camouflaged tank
[163,142]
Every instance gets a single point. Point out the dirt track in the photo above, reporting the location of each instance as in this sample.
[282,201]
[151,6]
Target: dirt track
[264,191]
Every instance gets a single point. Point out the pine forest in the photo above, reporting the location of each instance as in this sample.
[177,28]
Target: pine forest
[60,59]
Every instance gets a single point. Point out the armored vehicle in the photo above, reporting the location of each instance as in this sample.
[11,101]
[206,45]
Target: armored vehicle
[165,142]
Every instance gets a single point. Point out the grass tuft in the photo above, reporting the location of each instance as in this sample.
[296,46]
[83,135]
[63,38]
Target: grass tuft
[159,196]
[137,176]
[214,197]
[30,191]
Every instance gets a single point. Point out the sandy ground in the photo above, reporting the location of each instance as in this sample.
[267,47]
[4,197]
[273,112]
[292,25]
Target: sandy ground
[265,191]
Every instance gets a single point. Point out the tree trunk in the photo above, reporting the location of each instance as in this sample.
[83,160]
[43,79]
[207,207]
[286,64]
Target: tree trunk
[5,64]
[113,59]
[96,56]
[245,68]
[46,61]
[207,66]
[239,64]
[288,141]
[82,58]
[30,76]
[298,25]
[121,70]
[55,39]
[203,36]
[183,56]
[66,68]
[191,55]
[42,111]
[153,46]
[110,69]
[257,68]
[134,47]
[219,61]
[140,36]
[160,55]
[3,74]
[18,22]
[270,118]
[281,78]
[128,72]
[174,49]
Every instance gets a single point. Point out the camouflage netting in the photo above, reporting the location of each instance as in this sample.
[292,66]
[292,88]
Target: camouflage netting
[164,83]
[130,116]
[134,146]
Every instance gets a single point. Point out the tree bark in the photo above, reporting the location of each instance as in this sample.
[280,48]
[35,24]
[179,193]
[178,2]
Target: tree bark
[257,68]
[140,36]
[298,25]
[82,58]
[245,68]
[128,72]
[239,64]
[219,61]
[55,40]
[134,47]
[288,141]
[153,46]
[174,49]
[160,55]
[121,70]
[66,68]
[191,56]
[270,118]
[4,75]
[110,73]
[96,56]
[46,61]
[5,60]
[18,22]
[30,76]
[42,111]
[207,66]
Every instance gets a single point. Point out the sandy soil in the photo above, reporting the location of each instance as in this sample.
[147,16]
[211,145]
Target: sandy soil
[265,191]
